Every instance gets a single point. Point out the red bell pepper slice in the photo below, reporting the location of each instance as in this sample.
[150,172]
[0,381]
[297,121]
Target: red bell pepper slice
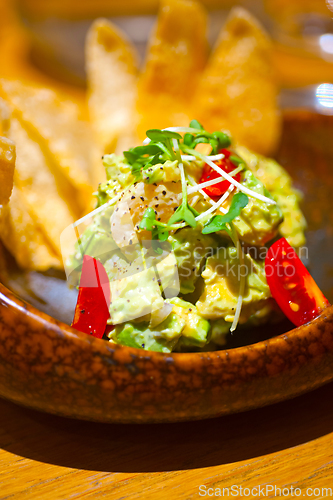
[92,308]
[291,285]
[217,190]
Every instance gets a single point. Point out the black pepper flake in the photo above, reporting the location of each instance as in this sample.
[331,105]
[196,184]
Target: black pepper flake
[174,209]
[154,184]
[156,197]
[133,197]
[164,193]
[142,198]
[117,209]
[156,206]
[143,345]
[190,309]
[155,212]
[130,242]
[161,168]
[82,311]
[159,219]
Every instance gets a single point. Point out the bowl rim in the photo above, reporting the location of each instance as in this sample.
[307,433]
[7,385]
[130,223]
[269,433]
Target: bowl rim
[304,331]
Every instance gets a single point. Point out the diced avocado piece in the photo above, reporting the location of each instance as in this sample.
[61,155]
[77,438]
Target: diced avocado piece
[222,276]
[137,285]
[162,172]
[95,241]
[134,296]
[119,176]
[196,327]
[162,338]
[258,221]
[220,330]
[279,183]
[117,169]
[190,248]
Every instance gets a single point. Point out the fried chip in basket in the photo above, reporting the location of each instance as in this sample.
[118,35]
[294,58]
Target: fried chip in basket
[237,91]
[111,64]
[48,195]
[23,238]
[56,125]
[176,56]
[7,166]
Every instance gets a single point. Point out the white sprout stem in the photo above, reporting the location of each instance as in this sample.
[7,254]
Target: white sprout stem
[207,198]
[235,183]
[192,181]
[217,204]
[180,164]
[197,187]
[195,200]
[193,158]
[185,130]
[99,209]
[241,287]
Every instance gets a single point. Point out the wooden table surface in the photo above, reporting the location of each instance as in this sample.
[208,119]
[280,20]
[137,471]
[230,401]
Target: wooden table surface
[286,445]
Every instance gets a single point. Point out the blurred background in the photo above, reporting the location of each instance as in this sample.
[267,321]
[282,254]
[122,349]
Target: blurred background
[43,41]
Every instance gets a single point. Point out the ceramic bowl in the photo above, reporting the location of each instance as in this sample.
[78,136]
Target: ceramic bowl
[48,366]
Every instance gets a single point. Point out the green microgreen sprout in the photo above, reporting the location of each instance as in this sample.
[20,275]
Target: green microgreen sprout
[159,230]
[218,140]
[222,222]
[184,212]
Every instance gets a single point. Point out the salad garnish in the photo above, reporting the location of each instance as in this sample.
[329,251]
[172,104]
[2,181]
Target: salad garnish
[176,217]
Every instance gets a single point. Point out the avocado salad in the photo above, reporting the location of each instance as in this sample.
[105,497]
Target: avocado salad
[182,227]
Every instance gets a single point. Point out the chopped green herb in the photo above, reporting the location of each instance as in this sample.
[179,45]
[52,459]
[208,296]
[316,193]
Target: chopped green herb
[218,140]
[219,222]
[184,213]
[158,229]
[196,124]
[236,160]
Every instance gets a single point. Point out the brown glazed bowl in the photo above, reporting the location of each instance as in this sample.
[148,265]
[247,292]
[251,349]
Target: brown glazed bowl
[48,366]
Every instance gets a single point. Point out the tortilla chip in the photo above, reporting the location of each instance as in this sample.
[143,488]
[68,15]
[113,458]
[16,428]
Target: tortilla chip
[23,238]
[56,125]
[48,196]
[111,64]
[7,166]
[175,58]
[237,91]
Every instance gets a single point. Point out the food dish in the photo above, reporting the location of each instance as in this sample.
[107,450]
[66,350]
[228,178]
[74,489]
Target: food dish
[49,366]
[182,228]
